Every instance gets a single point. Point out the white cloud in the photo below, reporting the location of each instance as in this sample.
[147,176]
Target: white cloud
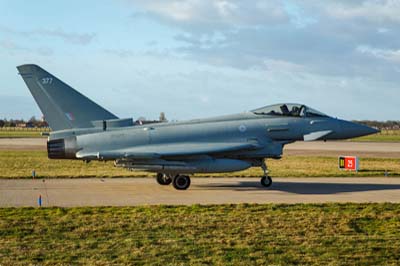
[303,36]
[11,47]
[212,15]
[373,10]
[322,49]
[69,37]
[386,54]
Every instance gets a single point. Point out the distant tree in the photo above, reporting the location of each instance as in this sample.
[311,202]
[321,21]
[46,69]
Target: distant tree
[381,124]
[11,123]
[2,123]
[42,124]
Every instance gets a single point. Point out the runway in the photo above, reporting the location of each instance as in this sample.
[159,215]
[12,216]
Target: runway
[27,144]
[337,148]
[145,191]
[317,148]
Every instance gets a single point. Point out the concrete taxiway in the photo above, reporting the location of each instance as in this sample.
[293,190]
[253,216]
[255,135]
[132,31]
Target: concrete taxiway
[145,191]
[27,144]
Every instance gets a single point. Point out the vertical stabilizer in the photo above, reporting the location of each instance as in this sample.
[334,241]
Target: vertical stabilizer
[62,106]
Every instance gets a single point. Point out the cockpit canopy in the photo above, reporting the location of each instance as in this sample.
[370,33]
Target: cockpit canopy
[288,109]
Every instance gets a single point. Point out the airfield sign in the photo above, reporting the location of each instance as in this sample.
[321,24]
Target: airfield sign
[349,163]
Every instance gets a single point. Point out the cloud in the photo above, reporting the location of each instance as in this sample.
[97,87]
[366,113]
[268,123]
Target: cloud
[69,37]
[208,16]
[153,52]
[10,46]
[371,10]
[386,54]
[317,37]
[295,50]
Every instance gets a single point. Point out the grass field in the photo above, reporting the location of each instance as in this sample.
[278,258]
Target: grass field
[19,164]
[22,132]
[384,136]
[330,234]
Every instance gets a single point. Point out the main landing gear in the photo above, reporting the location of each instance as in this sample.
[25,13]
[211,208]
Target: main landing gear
[266,180]
[164,179]
[180,182]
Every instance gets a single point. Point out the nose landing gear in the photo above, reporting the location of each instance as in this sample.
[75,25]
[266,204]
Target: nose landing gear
[266,180]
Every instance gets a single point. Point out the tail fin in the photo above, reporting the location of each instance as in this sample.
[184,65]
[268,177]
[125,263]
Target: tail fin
[62,106]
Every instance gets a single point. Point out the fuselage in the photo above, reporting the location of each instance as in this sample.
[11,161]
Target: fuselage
[270,132]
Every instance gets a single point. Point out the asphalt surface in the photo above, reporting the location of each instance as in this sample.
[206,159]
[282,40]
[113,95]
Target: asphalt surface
[337,148]
[145,191]
[15,144]
[318,148]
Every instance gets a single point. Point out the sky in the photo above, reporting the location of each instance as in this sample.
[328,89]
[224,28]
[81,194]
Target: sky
[204,58]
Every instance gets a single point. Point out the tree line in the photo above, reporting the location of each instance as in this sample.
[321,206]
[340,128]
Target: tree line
[36,123]
[31,123]
[382,125]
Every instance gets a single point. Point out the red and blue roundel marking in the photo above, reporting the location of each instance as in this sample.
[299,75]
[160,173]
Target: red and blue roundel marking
[70,116]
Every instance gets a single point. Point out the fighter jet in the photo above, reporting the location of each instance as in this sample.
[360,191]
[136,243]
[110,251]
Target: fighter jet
[83,130]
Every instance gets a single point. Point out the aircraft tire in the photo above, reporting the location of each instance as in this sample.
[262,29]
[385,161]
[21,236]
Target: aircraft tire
[266,181]
[181,182]
[163,179]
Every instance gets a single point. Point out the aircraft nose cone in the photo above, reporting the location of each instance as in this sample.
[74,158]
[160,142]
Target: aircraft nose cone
[353,130]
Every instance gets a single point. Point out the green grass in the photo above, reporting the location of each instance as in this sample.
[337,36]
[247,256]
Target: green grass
[21,132]
[19,164]
[378,138]
[329,234]
[384,136]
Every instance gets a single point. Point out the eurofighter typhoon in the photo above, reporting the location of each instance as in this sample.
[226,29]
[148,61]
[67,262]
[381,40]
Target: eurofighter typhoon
[83,130]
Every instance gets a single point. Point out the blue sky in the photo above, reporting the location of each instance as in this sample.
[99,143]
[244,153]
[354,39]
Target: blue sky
[200,58]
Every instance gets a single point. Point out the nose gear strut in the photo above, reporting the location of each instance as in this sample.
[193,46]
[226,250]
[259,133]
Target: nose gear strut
[266,180]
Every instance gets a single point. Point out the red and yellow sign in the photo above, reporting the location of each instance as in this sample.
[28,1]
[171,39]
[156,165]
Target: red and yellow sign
[349,163]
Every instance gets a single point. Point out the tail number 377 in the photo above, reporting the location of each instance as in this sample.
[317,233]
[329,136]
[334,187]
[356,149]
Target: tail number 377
[47,80]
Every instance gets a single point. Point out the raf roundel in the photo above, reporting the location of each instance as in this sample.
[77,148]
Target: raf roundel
[242,128]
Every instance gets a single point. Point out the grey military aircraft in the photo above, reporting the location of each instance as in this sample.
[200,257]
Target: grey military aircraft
[83,130]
